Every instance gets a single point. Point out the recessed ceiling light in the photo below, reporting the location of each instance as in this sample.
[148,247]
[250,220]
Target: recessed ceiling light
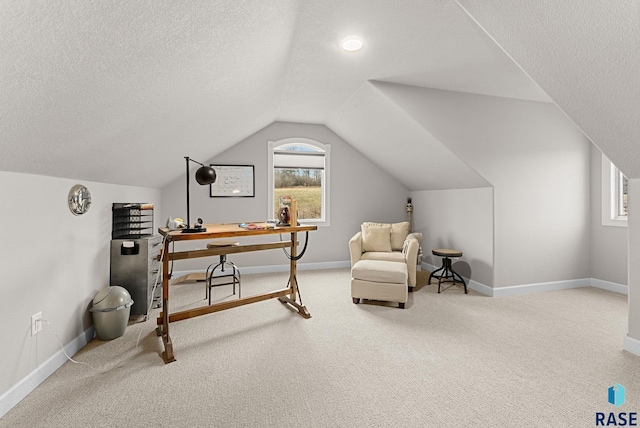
[352,44]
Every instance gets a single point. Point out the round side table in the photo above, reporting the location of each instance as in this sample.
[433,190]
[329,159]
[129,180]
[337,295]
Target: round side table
[446,272]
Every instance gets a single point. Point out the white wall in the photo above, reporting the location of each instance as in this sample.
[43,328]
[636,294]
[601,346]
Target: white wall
[538,164]
[360,191]
[634,265]
[459,219]
[52,262]
[609,245]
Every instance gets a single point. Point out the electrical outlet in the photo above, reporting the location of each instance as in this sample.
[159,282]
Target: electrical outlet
[36,323]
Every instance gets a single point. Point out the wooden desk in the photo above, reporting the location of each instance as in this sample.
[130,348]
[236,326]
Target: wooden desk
[286,295]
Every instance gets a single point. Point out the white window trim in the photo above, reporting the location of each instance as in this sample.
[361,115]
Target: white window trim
[326,177]
[610,195]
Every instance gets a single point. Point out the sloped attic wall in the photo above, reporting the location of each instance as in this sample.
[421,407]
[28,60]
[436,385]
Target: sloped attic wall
[538,164]
[587,59]
[585,55]
[52,262]
[360,191]
[381,129]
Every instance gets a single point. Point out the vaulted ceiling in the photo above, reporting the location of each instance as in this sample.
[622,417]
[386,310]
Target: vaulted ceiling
[119,91]
[586,56]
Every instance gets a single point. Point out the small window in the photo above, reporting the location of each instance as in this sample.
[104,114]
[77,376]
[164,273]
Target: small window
[614,195]
[299,169]
[621,193]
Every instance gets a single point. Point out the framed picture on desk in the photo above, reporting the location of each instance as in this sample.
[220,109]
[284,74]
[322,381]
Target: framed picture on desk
[233,181]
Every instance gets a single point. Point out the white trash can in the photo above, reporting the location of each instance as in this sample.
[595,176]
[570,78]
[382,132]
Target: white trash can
[110,310]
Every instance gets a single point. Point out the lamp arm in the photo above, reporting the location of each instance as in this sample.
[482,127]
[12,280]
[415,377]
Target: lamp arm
[195,161]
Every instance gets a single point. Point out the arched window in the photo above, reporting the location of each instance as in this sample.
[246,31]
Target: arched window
[299,169]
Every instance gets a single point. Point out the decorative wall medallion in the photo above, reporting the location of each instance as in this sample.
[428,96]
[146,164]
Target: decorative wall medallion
[79,199]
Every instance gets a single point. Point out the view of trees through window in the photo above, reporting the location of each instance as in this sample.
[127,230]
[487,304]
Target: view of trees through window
[622,194]
[303,185]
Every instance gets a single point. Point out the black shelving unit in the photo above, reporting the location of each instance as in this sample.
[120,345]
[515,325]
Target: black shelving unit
[132,220]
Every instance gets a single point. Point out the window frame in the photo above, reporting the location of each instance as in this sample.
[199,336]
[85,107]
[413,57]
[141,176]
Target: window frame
[611,195]
[326,148]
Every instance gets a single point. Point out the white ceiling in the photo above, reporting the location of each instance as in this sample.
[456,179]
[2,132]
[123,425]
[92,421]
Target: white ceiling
[120,91]
[586,56]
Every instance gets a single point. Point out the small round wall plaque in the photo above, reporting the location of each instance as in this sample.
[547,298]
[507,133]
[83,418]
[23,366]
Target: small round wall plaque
[79,199]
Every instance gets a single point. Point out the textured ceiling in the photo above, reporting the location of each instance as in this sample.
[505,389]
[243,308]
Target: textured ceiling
[119,91]
[423,43]
[586,56]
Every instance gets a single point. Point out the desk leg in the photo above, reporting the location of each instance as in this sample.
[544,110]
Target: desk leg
[293,267]
[163,329]
[293,281]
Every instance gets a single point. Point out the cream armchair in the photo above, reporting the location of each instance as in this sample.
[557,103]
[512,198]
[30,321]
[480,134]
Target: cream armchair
[388,242]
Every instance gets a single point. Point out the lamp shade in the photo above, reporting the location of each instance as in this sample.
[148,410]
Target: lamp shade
[205,175]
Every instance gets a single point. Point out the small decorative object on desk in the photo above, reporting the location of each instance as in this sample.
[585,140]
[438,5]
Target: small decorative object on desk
[288,213]
[176,223]
[285,201]
[283,216]
[256,226]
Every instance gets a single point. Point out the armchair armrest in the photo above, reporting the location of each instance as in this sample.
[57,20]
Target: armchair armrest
[410,250]
[355,248]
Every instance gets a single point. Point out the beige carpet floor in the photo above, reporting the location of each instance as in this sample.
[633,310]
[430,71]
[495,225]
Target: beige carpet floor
[447,360]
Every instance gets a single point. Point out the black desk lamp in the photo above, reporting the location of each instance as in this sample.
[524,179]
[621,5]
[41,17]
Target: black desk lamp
[204,175]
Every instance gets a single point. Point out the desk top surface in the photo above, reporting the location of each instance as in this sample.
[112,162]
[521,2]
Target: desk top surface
[226,230]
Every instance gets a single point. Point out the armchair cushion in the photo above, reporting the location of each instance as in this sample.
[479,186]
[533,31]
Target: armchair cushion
[391,256]
[376,237]
[380,271]
[399,232]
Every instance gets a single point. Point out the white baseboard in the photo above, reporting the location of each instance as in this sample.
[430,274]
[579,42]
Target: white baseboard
[42,372]
[518,290]
[631,345]
[515,290]
[480,288]
[611,286]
